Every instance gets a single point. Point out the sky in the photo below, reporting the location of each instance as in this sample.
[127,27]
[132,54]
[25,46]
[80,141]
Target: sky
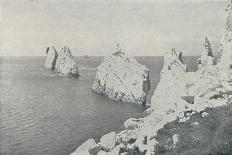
[94,27]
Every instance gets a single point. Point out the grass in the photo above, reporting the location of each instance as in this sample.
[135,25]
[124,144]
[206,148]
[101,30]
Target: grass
[213,135]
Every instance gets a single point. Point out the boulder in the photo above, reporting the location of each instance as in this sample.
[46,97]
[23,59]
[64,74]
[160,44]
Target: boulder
[51,58]
[65,64]
[133,123]
[175,139]
[84,148]
[108,141]
[121,78]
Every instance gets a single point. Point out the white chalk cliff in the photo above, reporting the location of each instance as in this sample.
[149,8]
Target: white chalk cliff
[121,78]
[61,61]
[178,92]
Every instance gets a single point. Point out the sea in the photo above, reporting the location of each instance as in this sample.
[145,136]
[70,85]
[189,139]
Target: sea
[44,114]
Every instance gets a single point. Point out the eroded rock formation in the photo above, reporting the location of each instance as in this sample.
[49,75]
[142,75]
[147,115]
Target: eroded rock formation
[206,56]
[121,78]
[65,64]
[51,58]
[61,61]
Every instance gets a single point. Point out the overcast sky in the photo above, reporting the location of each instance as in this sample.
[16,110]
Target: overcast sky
[92,27]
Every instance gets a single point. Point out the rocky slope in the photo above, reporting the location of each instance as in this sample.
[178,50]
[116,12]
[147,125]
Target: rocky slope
[178,96]
[61,61]
[121,78]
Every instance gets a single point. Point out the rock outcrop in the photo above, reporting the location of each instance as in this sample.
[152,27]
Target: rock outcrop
[171,85]
[121,78]
[225,63]
[52,56]
[61,61]
[65,64]
[206,56]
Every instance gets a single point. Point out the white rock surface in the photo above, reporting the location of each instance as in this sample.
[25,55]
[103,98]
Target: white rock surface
[225,62]
[171,85]
[108,141]
[83,149]
[62,61]
[175,139]
[133,123]
[65,64]
[206,56]
[122,78]
[51,58]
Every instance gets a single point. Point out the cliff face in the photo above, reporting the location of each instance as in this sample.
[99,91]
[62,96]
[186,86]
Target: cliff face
[171,84]
[122,78]
[61,61]
[225,62]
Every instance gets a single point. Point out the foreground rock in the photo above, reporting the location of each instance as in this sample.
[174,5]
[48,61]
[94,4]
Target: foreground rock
[122,78]
[61,61]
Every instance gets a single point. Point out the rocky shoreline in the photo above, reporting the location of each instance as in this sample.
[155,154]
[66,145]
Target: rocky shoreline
[178,96]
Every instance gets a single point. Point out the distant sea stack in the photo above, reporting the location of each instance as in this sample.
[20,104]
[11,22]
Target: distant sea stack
[61,61]
[121,78]
[51,58]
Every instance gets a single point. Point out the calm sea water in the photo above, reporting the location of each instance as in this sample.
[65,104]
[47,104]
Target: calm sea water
[41,113]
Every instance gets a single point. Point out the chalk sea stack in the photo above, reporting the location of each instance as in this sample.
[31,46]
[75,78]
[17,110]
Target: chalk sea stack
[206,56]
[171,84]
[51,58]
[61,61]
[121,78]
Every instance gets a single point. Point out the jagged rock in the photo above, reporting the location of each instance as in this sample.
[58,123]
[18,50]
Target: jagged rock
[61,61]
[171,86]
[84,148]
[206,56]
[51,58]
[65,64]
[122,78]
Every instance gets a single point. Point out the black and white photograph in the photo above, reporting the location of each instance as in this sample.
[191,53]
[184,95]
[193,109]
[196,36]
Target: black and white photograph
[115,77]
